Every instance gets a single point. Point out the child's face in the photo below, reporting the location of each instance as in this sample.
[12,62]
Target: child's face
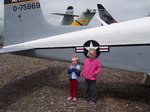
[74,61]
[92,54]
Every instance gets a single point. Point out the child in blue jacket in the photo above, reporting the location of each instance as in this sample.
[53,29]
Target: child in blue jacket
[74,73]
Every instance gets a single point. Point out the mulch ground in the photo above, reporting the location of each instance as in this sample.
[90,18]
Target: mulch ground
[38,85]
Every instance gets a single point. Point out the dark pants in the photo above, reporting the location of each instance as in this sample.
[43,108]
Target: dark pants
[90,91]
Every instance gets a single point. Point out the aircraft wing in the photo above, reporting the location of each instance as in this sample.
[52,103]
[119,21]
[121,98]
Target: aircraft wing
[130,35]
[12,49]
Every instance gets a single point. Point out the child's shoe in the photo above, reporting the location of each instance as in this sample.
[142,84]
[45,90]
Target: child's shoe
[92,102]
[74,99]
[69,98]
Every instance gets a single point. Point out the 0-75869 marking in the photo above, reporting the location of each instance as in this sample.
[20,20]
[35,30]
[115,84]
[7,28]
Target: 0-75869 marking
[27,6]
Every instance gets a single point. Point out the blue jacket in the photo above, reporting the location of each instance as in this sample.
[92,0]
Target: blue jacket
[74,73]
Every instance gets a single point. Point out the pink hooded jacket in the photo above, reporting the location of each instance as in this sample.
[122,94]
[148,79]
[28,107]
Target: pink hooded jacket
[91,69]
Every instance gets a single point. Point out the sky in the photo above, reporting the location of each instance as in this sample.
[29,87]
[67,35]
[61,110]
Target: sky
[121,10]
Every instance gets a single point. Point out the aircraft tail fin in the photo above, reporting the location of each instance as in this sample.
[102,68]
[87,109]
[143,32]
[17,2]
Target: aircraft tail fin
[24,21]
[70,11]
[68,16]
[104,15]
[85,18]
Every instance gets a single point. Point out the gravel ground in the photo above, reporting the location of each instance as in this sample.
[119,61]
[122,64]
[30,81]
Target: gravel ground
[38,85]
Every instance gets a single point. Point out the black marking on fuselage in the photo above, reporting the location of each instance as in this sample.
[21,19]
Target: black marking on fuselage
[15,1]
[125,45]
[78,22]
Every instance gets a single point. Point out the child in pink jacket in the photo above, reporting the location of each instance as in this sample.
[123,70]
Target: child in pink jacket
[91,69]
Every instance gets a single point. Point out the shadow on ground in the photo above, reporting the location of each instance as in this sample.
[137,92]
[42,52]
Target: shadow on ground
[126,91]
[13,91]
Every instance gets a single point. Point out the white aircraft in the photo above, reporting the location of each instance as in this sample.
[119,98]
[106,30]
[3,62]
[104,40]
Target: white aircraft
[125,45]
[85,18]
[82,20]
[68,17]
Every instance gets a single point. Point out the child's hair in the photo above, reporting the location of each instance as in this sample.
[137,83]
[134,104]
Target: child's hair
[75,57]
[92,50]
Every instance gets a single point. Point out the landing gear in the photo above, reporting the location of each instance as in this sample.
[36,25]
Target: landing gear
[146,80]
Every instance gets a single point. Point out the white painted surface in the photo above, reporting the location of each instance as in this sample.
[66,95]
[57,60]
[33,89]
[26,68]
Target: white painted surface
[125,33]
